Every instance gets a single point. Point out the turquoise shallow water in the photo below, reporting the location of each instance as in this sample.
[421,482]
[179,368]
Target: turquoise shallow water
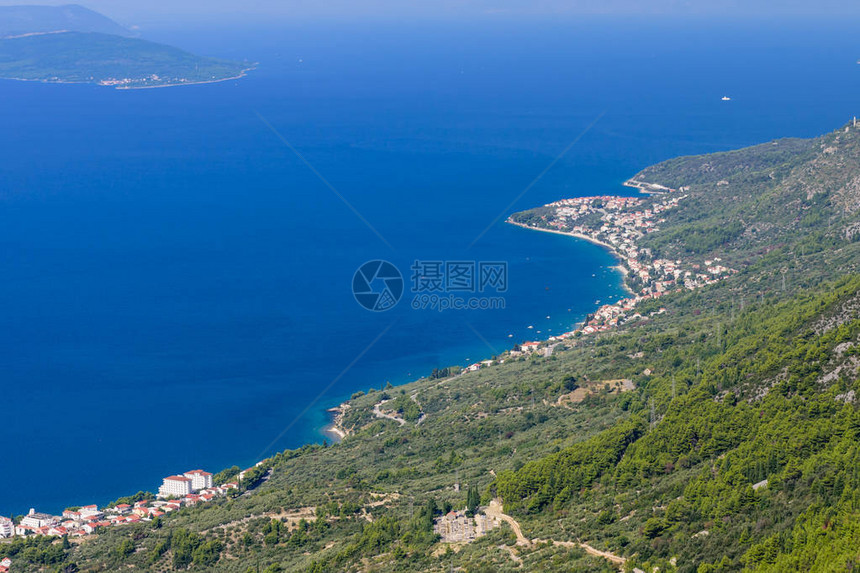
[176,283]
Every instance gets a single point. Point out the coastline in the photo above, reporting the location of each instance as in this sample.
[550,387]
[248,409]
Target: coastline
[335,429]
[647,188]
[566,234]
[620,266]
[336,432]
[242,74]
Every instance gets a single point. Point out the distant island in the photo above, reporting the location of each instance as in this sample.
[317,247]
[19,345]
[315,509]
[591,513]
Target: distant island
[71,44]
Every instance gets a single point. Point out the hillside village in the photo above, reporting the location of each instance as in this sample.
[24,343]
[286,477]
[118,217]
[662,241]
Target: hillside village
[617,223]
[176,492]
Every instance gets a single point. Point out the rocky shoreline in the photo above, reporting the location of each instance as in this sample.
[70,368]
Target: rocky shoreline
[335,430]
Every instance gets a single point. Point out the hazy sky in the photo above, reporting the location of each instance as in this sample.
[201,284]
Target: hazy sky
[128,11]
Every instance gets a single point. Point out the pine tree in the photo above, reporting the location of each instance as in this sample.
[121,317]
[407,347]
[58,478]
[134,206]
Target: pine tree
[473,499]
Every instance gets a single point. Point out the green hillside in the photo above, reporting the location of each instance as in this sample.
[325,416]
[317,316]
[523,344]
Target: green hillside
[75,57]
[718,431]
[71,44]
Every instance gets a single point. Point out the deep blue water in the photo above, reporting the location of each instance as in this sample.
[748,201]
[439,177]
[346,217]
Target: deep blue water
[175,282]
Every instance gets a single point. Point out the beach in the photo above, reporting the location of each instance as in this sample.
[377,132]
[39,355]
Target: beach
[567,234]
[335,430]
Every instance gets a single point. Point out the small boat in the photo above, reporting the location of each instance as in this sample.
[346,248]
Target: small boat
[530,327]
[727,98]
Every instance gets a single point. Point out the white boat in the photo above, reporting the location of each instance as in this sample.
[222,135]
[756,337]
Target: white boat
[727,98]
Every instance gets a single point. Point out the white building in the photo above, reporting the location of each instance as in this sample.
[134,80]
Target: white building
[7,528]
[36,519]
[199,479]
[90,512]
[175,486]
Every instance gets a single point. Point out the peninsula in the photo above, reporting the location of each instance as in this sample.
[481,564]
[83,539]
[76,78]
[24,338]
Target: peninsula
[619,223]
[70,44]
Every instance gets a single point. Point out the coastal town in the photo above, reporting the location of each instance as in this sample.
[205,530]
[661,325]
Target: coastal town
[176,491]
[618,223]
[156,81]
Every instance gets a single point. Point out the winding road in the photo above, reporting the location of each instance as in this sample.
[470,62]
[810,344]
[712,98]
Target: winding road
[380,414]
[495,510]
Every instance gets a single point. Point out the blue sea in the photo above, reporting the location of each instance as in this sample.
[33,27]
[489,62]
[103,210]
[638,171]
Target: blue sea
[175,281]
